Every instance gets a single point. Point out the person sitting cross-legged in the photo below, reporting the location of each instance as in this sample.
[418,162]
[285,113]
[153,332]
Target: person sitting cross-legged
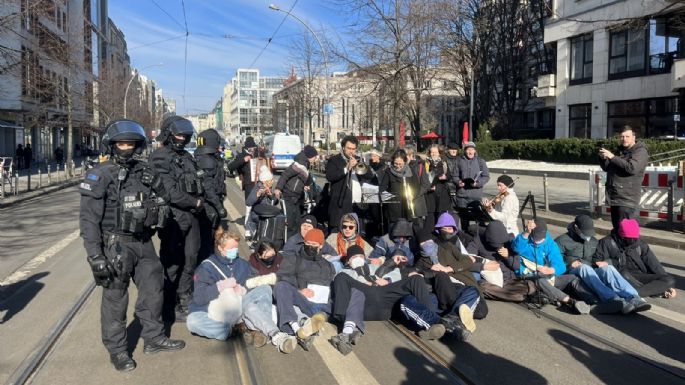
[541,260]
[294,244]
[636,262]
[398,238]
[613,292]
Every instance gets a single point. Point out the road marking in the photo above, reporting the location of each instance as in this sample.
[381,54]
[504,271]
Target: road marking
[41,258]
[345,369]
[665,313]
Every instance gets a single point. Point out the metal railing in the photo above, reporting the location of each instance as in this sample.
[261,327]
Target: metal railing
[672,156]
[43,175]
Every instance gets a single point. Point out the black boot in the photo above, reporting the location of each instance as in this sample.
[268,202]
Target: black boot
[122,361]
[164,345]
[454,327]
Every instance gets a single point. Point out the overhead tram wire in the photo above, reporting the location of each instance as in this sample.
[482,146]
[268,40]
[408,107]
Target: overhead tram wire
[171,17]
[185,53]
[157,42]
[273,35]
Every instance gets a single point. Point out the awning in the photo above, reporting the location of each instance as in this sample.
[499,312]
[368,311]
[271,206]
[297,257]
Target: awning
[432,135]
[6,124]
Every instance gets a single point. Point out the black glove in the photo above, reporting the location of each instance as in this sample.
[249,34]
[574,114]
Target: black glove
[103,271]
[223,213]
[148,177]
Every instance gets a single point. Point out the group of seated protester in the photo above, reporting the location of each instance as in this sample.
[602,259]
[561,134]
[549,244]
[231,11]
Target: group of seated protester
[435,281]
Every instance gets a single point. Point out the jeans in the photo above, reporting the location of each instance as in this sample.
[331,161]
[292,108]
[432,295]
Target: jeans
[605,281]
[256,312]
[287,297]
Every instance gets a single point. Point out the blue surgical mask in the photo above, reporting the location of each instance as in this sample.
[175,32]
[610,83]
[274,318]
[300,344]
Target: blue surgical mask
[231,254]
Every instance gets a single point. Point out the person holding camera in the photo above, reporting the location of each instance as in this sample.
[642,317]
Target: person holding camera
[625,171]
[122,201]
[180,239]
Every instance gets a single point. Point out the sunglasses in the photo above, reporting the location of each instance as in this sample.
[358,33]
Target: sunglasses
[349,227]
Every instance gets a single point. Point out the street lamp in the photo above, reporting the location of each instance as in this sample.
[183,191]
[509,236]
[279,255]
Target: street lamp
[325,63]
[133,75]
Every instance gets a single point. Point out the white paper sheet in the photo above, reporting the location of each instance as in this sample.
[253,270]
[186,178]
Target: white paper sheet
[321,293]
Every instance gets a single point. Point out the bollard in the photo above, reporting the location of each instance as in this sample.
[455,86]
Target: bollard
[64,171]
[544,191]
[16,183]
[40,178]
[73,168]
[591,187]
[49,175]
[28,184]
[669,202]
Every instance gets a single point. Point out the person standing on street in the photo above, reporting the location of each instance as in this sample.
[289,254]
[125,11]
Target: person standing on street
[19,155]
[292,185]
[242,165]
[210,160]
[180,239]
[28,156]
[122,200]
[625,171]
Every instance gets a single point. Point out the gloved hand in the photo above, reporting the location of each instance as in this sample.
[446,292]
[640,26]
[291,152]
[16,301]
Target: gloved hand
[226,284]
[223,213]
[148,177]
[103,271]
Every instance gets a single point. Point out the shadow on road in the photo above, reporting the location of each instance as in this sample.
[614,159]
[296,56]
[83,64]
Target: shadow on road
[15,297]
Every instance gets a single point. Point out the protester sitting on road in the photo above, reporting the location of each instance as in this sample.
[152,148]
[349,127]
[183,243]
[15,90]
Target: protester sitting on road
[633,258]
[262,192]
[398,238]
[467,243]
[364,292]
[614,293]
[625,171]
[293,183]
[541,260]
[347,236]
[293,246]
[304,282]
[453,284]
[220,298]
[265,259]
[507,210]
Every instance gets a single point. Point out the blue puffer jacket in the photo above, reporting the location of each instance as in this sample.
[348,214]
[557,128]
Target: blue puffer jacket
[206,276]
[545,254]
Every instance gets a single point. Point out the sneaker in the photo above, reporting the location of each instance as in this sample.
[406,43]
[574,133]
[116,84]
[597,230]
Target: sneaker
[311,326]
[579,307]
[640,304]
[259,339]
[306,343]
[628,307]
[342,343]
[466,317]
[355,337]
[284,342]
[454,327]
[435,332]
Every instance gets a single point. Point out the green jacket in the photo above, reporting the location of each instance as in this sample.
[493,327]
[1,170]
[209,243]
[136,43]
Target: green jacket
[574,248]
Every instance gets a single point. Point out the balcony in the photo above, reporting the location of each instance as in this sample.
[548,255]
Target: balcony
[547,86]
[678,75]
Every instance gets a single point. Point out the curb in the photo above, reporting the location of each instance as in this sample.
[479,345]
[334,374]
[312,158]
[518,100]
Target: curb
[674,240]
[9,201]
[552,174]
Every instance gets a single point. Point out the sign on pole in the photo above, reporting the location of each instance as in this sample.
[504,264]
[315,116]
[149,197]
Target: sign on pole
[328,109]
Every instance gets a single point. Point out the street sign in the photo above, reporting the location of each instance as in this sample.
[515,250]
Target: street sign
[328,109]
[676,117]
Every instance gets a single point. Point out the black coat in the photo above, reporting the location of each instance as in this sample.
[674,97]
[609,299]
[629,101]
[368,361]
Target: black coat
[340,193]
[624,175]
[438,200]
[243,168]
[418,184]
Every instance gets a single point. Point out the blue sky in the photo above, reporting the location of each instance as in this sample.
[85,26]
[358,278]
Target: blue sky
[213,58]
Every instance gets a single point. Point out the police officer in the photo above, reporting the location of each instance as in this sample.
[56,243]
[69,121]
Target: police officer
[121,203]
[180,239]
[210,160]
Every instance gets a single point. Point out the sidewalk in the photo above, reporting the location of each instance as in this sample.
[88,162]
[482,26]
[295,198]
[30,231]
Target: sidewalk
[534,168]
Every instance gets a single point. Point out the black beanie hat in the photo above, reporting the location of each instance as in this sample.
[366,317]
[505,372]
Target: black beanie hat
[540,231]
[355,250]
[310,152]
[249,142]
[506,180]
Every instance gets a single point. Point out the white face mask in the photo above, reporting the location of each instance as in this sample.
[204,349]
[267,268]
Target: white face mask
[356,262]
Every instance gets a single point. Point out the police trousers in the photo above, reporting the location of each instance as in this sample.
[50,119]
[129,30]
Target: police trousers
[178,252]
[141,264]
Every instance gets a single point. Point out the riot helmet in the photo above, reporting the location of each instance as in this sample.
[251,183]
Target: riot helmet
[124,131]
[208,142]
[173,126]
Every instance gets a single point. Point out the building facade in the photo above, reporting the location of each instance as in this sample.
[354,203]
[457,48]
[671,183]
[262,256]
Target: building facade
[251,103]
[618,63]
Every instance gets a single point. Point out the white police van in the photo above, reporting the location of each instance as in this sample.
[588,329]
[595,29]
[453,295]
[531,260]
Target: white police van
[281,149]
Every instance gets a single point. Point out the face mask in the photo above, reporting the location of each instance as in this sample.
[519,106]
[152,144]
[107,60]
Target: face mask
[123,156]
[311,251]
[629,242]
[356,262]
[231,254]
[539,242]
[268,261]
[446,236]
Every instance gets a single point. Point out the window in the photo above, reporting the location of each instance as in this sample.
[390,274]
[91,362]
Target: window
[581,59]
[649,117]
[627,53]
[580,121]
[546,119]
[663,45]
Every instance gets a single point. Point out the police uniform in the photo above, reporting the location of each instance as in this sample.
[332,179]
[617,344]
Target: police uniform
[209,159]
[118,216]
[180,239]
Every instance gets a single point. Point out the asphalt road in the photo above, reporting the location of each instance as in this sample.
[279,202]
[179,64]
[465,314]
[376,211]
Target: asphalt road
[512,345]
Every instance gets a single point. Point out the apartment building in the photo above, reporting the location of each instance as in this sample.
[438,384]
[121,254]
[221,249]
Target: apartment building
[251,102]
[619,63]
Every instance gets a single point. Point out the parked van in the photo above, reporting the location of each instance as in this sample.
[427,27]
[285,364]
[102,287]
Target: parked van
[281,149]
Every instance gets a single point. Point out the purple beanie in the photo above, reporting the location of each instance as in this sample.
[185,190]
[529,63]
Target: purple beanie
[629,228]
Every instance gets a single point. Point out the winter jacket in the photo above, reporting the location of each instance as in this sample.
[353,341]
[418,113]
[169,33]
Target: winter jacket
[507,212]
[638,258]
[260,268]
[498,235]
[340,193]
[386,246]
[545,254]
[450,255]
[624,175]
[332,240]
[301,271]
[471,169]
[418,184]
[294,244]
[243,168]
[294,179]
[438,200]
[206,276]
[574,248]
